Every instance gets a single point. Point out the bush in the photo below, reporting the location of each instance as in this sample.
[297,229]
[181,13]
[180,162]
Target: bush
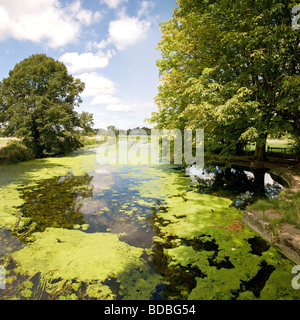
[88,142]
[16,152]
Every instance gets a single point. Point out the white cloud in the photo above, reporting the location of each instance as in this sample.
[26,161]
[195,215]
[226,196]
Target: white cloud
[119,108]
[139,108]
[100,114]
[86,61]
[137,112]
[46,20]
[105,99]
[127,31]
[144,8]
[113,4]
[96,84]
[86,17]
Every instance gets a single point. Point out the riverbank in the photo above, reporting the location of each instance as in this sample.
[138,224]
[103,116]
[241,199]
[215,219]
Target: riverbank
[13,151]
[277,221]
[271,219]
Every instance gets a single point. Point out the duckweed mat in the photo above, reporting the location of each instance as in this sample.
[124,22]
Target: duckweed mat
[73,229]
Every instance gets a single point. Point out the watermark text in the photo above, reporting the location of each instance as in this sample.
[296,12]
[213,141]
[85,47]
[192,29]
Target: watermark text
[295,280]
[2,277]
[161,147]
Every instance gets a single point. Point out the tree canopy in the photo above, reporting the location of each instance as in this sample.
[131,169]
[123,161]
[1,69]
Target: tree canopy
[231,68]
[37,102]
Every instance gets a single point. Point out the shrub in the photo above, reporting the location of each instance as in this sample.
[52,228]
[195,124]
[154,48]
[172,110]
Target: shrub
[16,152]
[88,142]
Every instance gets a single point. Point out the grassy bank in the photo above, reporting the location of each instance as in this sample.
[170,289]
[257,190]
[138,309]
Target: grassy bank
[284,145]
[13,151]
[287,205]
[88,141]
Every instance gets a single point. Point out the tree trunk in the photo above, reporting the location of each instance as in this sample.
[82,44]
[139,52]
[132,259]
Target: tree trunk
[37,149]
[259,182]
[260,152]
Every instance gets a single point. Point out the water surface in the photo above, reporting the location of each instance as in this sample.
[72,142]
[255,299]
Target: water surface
[80,230]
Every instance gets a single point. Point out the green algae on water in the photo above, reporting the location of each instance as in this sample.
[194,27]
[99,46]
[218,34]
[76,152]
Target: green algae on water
[61,255]
[25,174]
[201,233]
[201,249]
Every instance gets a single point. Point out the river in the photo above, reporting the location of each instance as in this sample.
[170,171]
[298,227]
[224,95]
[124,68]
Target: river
[71,228]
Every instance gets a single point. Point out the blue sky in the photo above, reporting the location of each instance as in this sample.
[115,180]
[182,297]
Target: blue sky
[109,44]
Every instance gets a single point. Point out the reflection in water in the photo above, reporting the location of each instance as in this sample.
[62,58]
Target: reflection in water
[242,186]
[102,201]
[56,202]
[8,242]
[109,199]
[119,208]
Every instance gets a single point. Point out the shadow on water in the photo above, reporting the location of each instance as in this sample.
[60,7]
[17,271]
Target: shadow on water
[111,202]
[92,202]
[241,185]
[181,280]
[8,242]
[55,202]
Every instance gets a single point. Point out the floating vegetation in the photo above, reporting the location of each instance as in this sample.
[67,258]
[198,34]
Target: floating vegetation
[61,255]
[73,230]
[225,257]
[56,202]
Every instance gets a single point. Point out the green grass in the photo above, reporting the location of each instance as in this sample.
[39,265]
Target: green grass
[276,143]
[287,204]
[15,151]
[89,141]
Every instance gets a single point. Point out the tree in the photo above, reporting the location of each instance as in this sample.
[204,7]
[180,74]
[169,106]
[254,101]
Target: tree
[86,123]
[37,103]
[113,129]
[232,68]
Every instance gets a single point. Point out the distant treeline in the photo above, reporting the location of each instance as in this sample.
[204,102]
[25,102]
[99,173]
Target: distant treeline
[137,131]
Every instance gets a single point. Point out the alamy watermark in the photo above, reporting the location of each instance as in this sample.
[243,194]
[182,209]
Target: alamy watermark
[295,280]
[296,19]
[2,277]
[161,147]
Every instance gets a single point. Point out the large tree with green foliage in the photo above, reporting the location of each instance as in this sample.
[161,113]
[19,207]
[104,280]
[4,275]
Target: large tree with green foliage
[232,68]
[37,103]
